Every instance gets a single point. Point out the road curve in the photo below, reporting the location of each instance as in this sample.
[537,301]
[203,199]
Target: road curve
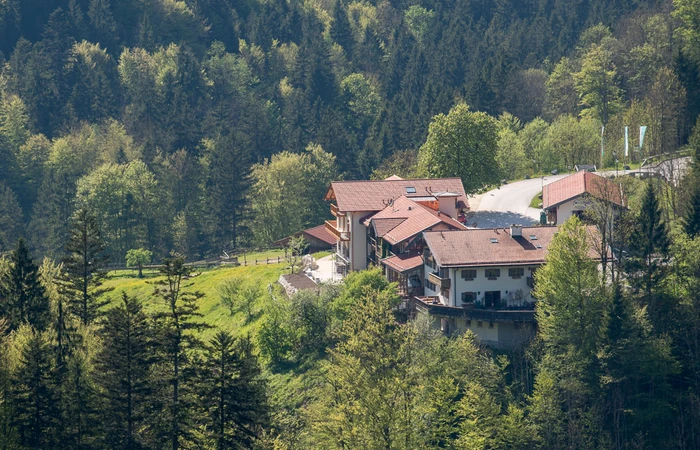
[510,203]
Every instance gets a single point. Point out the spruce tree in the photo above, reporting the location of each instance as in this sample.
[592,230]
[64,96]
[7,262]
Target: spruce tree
[37,415]
[177,331]
[84,265]
[233,392]
[648,245]
[23,299]
[122,366]
[341,31]
[691,221]
[79,402]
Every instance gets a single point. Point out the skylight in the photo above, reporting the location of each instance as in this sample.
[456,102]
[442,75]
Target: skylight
[410,190]
[533,237]
[494,240]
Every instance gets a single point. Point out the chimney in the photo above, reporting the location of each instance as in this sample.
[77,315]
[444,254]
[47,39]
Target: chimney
[516,230]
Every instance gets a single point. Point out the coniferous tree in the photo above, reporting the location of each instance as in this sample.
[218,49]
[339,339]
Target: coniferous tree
[635,372]
[84,265]
[234,393]
[23,298]
[178,327]
[10,217]
[570,311]
[691,221]
[341,31]
[648,247]
[78,401]
[123,373]
[37,416]
[8,433]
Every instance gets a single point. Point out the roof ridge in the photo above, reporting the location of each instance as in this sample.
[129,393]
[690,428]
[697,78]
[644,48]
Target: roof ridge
[393,181]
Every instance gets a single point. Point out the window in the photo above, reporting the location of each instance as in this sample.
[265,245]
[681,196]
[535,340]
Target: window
[492,274]
[494,240]
[468,297]
[490,324]
[469,274]
[430,285]
[516,272]
[479,324]
[410,190]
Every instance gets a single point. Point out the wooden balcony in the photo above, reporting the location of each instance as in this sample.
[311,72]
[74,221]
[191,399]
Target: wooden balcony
[335,211]
[331,228]
[434,278]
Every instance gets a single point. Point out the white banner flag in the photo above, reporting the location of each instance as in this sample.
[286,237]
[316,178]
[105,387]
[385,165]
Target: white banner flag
[642,130]
[627,142]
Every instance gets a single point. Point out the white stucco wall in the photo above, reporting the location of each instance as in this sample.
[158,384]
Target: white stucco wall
[504,283]
[358,240]
[566,209]
[481,284]
[448,206]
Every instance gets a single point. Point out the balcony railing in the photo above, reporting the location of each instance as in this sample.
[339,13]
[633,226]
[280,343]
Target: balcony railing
[433,307]
[331,228]
[437,280]
[335,211]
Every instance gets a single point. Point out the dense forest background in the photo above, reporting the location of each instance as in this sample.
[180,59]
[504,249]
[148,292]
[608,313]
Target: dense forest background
[129,129]
[163,116]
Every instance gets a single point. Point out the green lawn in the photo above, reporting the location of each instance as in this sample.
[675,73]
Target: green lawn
[536,201]
[206,281]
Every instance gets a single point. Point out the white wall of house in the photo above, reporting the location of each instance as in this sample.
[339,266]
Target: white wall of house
[448,205]
[507,285]
[566,209]
[358,240]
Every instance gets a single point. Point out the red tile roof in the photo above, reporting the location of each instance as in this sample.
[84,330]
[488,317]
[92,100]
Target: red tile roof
[374,195]
[321,233]
[476,247]
[383,226]
[404,263]
[405,218]
[579,183]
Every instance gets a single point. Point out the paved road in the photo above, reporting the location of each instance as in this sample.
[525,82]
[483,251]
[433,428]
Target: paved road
[510,203]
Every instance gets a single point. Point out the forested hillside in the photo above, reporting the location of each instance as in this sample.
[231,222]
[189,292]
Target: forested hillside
[160,115]
[132,129]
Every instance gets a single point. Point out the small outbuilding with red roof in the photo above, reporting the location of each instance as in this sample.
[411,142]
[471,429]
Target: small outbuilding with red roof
[572,195]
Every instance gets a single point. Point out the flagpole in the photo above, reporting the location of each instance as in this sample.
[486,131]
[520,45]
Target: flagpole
[602,145]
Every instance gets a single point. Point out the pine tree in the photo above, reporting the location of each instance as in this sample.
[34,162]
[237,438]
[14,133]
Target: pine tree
[10,217]
[37,416]
[178,326]
[23,299]
[84,265]
[234,393]
[648,247]
[691,221]
[570,312]
[123,365]
[341,31]
[79,402]
[635,373]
